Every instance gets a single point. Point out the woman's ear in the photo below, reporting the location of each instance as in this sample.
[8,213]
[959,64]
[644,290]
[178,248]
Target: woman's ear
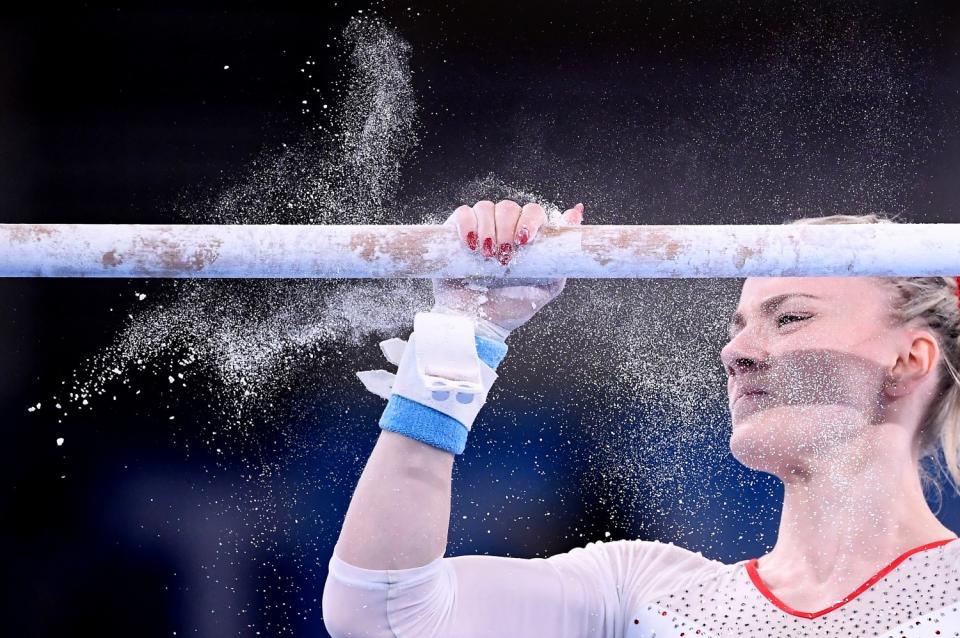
[914,364]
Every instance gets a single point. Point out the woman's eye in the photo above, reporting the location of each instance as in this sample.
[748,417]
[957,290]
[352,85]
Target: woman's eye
[783,320]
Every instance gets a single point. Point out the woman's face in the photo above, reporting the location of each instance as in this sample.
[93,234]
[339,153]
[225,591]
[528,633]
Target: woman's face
[807,364]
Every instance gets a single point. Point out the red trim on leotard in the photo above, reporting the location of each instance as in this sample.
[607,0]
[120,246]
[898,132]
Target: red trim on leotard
[755,577]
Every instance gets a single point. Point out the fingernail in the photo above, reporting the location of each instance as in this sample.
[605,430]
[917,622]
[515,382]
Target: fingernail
[524,236]
[488,247]
[505,253]
[472,240]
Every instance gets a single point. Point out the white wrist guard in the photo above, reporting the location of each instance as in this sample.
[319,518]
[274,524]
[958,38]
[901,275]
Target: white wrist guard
[438,367]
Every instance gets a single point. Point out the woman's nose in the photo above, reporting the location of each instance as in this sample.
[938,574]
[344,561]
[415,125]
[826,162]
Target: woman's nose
[742,354]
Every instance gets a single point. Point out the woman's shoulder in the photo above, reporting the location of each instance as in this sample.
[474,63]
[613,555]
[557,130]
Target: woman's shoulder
[643,570]
[646,550]
[665,555]
[950,553]
[645,559]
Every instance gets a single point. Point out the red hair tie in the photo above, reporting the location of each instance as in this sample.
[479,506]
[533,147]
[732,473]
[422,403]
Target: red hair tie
[958,291]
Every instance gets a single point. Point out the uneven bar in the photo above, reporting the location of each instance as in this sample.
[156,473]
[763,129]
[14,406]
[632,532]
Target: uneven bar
[426,252]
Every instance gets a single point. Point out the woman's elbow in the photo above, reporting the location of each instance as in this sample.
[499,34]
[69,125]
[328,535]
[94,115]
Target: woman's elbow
[350,612]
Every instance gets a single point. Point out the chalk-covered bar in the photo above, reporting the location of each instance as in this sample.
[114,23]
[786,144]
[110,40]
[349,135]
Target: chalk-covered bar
[432,251]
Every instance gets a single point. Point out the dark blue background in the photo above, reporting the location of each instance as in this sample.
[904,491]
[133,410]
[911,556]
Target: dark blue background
[111,115]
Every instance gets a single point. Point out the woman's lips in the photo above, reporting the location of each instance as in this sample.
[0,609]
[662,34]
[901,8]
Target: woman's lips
[749,397]
[751,394]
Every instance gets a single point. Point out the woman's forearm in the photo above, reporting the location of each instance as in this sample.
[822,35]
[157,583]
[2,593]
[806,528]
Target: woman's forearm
[399,515]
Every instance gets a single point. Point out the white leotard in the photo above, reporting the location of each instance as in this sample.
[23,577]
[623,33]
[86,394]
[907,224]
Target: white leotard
[632,589]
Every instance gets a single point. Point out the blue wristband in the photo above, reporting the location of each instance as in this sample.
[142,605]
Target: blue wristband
[423,423]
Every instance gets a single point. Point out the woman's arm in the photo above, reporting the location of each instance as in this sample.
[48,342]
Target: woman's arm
[388,577]
[597,591]
[397,521]
[400,512]
[570,595]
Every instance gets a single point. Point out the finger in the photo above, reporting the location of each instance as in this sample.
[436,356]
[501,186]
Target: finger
[506,214]
[573,216]
[532,217]
[486,228]
[466,222]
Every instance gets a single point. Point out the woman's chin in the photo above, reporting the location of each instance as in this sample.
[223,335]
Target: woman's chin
[756,441]
[773,439]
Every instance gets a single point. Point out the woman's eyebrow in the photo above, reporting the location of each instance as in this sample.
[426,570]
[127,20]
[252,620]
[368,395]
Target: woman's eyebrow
[767,307]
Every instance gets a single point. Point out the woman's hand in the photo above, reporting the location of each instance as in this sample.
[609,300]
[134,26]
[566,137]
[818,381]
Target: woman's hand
[497,231]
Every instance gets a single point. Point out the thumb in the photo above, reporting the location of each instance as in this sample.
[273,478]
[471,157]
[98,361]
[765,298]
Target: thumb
[573,216]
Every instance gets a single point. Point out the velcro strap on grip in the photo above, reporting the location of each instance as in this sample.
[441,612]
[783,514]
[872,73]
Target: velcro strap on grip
[438,367]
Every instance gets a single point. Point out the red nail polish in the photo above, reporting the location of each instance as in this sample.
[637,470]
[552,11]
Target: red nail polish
[524,236]
[472,240]
[505,253]
[488,247]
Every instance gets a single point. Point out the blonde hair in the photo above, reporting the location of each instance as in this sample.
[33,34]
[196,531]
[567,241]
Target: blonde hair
[935,302]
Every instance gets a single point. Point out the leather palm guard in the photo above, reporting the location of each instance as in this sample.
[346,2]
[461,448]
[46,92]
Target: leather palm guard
[437,367]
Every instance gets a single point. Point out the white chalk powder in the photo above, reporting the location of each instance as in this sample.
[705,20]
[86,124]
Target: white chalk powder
[633,365]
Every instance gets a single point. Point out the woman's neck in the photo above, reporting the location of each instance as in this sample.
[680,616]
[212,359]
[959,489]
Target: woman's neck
[846,516]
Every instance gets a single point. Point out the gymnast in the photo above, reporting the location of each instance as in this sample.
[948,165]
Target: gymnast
[838,386]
